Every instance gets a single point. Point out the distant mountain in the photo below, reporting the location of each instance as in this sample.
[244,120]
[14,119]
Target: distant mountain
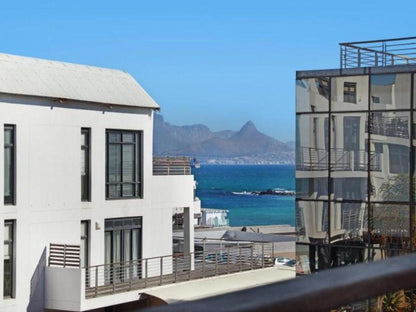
[247,145]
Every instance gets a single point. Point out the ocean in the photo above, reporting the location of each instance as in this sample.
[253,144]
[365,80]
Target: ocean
[229,186]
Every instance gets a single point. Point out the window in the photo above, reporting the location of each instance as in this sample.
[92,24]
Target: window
[350,92]
[123,248]
[9,259]
[9,164]
[123,167]
[85,164]
[399,159]
[84,243]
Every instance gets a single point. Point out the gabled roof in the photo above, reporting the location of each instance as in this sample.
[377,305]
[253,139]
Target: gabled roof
[43,78]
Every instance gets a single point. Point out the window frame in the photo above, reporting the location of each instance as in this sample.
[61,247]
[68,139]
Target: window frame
[87,147]
[10,199]
[350,92]
[138,164]
[12,242]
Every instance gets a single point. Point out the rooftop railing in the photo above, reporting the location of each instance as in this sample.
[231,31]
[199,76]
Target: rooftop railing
[325,291]
[171,166]
[375,53]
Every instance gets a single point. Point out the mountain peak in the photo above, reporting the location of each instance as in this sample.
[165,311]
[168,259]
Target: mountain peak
[249,125]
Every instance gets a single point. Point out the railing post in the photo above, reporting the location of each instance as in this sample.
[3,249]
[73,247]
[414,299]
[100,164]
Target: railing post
[190,266]
[145,278]
[161,271]
[216,263]
[251,262]
[131,273]
[96,281]
[203,259]
[239,254]
[113,278]
[228,260]
[262,255]
[175,259]
[272,252]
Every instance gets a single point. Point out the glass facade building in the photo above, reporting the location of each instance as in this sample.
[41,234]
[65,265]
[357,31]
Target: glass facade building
[355,165]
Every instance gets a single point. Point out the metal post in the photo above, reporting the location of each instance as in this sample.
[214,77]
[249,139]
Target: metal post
[161,271]
[273,252]
[145,278]
[252,258]
[262,255]
[190,266]
[228,260]
[130,273]
[216,263]
[113,278]
[96,281]
[175,259]
[239,255]
[359,57]
[203,259]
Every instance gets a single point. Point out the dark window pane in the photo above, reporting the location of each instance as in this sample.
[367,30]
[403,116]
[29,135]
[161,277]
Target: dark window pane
[123,164]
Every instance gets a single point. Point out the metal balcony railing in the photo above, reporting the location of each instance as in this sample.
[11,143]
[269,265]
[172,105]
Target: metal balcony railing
[325,291]
[390,126]
[171,166]
[314,159]
[374,53]
[120,277]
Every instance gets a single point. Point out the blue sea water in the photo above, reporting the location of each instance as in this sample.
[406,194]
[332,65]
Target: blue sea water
[224,187]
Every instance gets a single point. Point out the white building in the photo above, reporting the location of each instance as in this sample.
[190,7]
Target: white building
[78,171]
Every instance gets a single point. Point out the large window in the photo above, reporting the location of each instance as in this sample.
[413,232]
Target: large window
[123,239]
[85,164]
[9,164]
[123,178]
[9,259]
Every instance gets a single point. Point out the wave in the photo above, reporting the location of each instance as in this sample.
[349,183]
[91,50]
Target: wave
[275,191]
[244,193]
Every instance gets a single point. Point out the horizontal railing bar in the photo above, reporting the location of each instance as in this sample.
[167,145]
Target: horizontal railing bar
[319,292]
[380,40]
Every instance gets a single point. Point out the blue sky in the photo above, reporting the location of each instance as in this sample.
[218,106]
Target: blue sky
[220,63]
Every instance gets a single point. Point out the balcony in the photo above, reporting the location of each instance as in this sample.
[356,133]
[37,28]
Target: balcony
[171,166]
[101,285]
[375,53]
[389,126]
[313,159]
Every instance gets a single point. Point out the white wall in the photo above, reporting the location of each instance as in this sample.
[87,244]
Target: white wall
[48,207]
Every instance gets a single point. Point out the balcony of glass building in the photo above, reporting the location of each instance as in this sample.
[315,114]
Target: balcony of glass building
[376,53]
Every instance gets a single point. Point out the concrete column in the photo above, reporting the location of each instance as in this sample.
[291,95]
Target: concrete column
[188,234]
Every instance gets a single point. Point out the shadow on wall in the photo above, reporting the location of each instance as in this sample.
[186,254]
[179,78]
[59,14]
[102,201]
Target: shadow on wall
[37,286]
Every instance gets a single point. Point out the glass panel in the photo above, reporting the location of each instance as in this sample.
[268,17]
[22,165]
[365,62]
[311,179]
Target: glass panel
[128,137]
[302,259]
[108,258]
[349,158]
[135,244]
[349,93]
[312,95]
[348,222]
[7,171]
[84,253]
[128,163]
[8,260]
[128,190]
[114,163]
[390,146]
[390,91]
[114,137]
[391,228]
[114,191]
[312,156]
[116,246]
[84,138]
[312,221]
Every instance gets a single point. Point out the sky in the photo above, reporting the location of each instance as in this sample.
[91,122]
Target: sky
[219,63]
